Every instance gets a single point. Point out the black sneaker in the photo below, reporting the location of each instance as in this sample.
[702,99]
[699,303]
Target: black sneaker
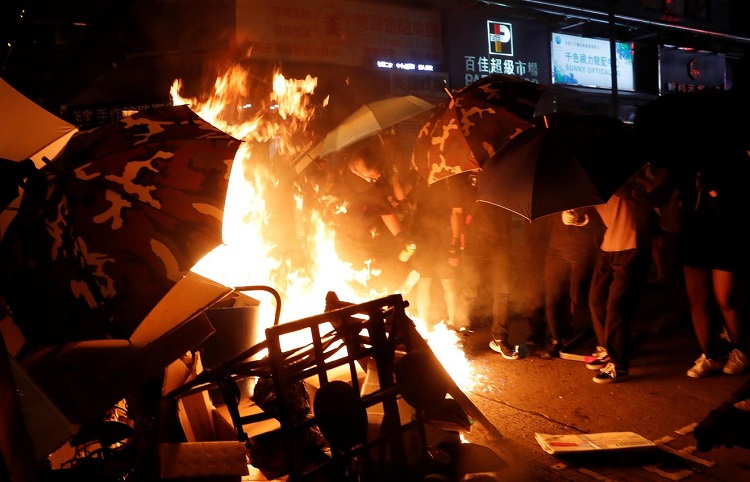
[610,374]
[535,340]
[601,358]
[505,349]
[554,349]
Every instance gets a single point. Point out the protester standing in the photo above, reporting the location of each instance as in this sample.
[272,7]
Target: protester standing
[574,239]
[437,228]
[714,258]
[620,273]
[488,268]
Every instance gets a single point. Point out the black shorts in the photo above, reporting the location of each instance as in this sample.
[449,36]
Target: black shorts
[709,242]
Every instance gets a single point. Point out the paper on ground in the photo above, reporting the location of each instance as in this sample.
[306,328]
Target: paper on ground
[553,444]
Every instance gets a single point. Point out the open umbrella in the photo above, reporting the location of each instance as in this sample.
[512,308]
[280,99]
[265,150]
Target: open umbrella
[577,161]
[682,130]
[106,230]
[28,131]
[364,122]
[465,130]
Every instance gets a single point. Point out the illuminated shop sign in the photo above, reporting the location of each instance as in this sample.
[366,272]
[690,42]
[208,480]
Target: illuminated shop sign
[478,66]
[499,57]
[587,62]
[500,38]
[385,64]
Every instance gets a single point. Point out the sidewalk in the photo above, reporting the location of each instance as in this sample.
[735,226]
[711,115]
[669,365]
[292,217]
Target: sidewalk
[658,401]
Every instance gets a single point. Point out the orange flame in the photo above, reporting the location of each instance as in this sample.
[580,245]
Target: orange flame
[255,250]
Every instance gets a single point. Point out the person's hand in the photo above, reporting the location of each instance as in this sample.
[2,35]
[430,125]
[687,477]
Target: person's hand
[569,217]
[572,218]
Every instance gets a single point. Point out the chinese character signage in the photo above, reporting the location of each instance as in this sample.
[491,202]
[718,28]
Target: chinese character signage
[481,44]
[339,32]
[587,62]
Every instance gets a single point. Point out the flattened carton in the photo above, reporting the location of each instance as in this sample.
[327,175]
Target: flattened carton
[556,444]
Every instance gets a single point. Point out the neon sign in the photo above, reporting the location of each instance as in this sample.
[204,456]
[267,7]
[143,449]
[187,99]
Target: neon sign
[385,64]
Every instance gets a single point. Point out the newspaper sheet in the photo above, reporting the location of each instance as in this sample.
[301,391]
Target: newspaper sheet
[553,444]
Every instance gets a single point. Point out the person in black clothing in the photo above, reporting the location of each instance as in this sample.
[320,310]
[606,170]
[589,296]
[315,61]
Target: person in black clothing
[368,231]
[574,238]
[533,240]
[436,229]
[488,265]
[714,258]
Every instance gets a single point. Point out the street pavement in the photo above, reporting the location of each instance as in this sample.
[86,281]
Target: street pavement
[556,396]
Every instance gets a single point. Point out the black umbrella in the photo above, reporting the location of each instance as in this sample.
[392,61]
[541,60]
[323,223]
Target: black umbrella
[576,161]
[685,129]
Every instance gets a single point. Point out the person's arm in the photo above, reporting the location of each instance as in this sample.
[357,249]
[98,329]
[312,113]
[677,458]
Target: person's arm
[457,225]
[392,223]
[457,222]
[398,186]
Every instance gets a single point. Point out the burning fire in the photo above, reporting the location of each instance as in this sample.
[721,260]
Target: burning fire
[294,255]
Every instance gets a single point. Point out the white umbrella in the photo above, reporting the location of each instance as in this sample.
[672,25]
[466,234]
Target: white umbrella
[27,131]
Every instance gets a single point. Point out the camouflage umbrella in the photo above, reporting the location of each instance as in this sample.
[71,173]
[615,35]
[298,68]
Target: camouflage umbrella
[106,230]
[466,129]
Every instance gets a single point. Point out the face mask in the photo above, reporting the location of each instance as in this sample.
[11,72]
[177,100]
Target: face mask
[355,182]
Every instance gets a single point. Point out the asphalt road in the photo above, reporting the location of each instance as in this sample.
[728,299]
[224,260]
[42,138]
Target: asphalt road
[556,396]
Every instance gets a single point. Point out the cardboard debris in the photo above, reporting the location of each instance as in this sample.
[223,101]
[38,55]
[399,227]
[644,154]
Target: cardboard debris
[591,442]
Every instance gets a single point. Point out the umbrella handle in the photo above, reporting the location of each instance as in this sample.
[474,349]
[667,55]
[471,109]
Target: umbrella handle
[306,158]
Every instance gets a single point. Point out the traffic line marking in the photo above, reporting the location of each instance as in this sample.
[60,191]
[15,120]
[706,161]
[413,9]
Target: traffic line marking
[687,429]
[597,476]
[685,453]
[679,475]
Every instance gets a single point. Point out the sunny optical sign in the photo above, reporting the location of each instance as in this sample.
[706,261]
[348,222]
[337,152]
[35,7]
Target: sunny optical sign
[586,62]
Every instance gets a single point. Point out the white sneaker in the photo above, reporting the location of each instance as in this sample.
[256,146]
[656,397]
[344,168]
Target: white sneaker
[601,358]
[703,367]
[736,363]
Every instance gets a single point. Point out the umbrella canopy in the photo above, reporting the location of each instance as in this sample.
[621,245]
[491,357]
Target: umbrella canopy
[577,161]
[106,230]
[366,121]
[27,131]
[467,129]
[685,129]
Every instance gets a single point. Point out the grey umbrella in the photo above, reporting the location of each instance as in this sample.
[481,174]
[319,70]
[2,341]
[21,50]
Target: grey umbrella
[364,122]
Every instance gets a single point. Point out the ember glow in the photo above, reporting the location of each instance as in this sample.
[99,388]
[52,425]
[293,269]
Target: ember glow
[256,249]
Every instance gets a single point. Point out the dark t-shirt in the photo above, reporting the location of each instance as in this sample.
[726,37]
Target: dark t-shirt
[431,228]
[573,238]
[357,207]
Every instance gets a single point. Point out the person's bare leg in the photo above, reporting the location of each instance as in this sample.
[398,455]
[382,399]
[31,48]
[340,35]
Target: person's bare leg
[423,301]
[697,289]
[724,284]
[451,297]
[657,256]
